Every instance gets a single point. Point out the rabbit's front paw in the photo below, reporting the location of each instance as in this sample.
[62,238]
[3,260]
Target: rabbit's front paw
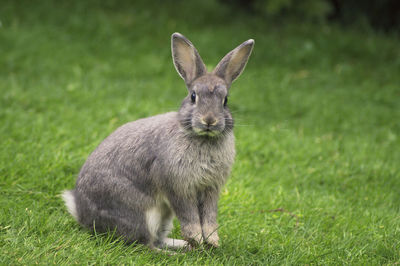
[213,240]
[211,237]
[192,234]
[195,240]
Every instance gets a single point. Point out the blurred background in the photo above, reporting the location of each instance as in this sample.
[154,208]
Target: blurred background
[384,15]
[317,122]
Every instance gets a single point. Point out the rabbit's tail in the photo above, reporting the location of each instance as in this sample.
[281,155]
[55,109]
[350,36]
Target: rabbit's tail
[69,199]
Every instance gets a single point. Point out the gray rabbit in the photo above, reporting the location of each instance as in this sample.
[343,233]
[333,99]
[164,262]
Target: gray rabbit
[175,163]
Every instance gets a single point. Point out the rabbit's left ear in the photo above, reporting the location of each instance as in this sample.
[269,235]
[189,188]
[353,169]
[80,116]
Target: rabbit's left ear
[187,60]
[232,65]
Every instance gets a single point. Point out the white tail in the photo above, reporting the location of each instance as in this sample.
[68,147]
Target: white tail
[69,200]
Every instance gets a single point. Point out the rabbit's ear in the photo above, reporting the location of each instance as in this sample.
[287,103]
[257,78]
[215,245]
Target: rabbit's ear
[232,65]
[187,60]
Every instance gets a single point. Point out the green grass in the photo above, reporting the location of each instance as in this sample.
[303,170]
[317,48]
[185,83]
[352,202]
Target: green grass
[318,130]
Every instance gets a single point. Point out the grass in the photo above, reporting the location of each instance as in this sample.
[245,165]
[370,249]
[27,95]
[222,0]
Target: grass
[318,132]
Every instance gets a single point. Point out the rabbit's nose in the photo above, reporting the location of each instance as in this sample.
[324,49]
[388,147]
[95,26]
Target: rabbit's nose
[209,120]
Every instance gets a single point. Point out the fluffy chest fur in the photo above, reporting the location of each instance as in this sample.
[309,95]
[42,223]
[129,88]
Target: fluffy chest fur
[200,162]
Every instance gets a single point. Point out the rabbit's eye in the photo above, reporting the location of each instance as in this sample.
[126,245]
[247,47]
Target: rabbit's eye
[225,100]
[193,97]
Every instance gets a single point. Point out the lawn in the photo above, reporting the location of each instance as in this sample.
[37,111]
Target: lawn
[317,173]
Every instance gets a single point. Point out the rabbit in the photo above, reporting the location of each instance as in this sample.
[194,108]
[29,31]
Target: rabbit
[151,169]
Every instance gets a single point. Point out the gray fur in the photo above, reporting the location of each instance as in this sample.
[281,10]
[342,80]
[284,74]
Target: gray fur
[188,68]
[151,169]
[233,64]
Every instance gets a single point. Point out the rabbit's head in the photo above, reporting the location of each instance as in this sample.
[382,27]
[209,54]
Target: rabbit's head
[204,111]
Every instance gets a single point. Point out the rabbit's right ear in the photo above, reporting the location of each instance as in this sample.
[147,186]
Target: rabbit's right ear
[232,65]
[186,59]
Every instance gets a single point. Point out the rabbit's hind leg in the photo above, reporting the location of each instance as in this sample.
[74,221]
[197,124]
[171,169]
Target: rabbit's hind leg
[164,228]
[127,222]
[132,228]
[159,222]
[172,243]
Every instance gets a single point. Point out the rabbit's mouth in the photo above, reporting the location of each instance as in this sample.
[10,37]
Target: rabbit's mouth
[206,132]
